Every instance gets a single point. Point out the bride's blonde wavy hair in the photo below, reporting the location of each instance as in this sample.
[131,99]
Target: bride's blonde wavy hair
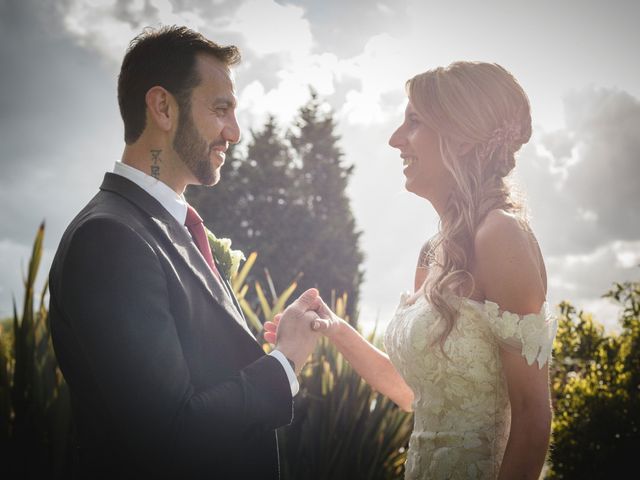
[482,117]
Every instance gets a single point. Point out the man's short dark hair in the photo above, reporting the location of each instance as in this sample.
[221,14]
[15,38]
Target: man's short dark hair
[163,57]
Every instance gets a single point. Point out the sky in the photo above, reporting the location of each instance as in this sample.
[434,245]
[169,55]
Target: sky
[60,128]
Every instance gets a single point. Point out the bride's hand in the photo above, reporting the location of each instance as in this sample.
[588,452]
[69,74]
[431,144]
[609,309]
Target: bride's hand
[328,323]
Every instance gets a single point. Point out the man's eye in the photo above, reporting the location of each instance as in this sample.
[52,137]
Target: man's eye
[221,111]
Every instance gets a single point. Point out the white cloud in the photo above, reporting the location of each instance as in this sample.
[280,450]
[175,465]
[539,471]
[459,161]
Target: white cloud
[582,279]
[108,25]
[269,28]
[280,33]
[282,102]
[382,67]
[588,275]
[266,26]
[319,71]
[361,109]
[291,91]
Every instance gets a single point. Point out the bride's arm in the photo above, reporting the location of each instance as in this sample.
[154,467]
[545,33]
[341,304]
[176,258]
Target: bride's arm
[369,362]
[510,272]
[372,364]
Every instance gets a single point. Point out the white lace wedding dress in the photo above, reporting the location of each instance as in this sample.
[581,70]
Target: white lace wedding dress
[461,406]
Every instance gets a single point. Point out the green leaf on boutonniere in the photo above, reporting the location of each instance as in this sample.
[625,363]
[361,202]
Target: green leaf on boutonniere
[228,260]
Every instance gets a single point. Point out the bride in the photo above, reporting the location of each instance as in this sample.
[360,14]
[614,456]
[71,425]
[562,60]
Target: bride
[469,350]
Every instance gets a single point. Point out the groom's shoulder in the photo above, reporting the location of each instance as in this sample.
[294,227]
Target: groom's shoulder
[105,216]
[103,209]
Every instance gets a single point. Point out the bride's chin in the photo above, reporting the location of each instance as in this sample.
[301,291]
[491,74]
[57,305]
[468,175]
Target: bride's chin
[410,185]
[419,190]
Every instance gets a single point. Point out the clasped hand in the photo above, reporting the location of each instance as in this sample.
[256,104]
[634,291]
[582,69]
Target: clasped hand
[295,331]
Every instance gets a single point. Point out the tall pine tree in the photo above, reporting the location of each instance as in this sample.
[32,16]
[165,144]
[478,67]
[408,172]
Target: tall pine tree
[286,199]
[333,248]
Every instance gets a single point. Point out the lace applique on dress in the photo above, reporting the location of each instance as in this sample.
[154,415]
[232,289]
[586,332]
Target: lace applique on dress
[533,333]
[461,404]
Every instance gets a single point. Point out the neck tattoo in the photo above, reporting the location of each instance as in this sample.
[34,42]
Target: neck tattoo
[155,163]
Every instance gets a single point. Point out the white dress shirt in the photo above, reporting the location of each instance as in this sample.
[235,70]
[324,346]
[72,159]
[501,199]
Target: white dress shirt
[176,205]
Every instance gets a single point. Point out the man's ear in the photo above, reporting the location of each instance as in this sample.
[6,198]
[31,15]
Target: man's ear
[162,108]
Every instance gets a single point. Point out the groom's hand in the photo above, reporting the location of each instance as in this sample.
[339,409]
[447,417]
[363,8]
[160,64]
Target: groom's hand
[327,323]
[296,337]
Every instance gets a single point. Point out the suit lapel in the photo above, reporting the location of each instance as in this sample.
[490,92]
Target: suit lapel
[229,289]
[179,241]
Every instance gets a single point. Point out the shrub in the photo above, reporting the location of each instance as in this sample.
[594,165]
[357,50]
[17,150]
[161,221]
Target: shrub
[596,386]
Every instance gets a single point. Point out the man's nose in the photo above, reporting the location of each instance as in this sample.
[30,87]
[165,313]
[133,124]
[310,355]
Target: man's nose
[232,131]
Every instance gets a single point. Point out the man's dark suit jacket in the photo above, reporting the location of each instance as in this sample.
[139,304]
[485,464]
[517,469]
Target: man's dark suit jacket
[165,379]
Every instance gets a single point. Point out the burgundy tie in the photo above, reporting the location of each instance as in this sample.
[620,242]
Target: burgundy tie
[196,228]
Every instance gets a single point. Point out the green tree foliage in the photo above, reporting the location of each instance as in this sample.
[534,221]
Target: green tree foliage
[286,198]
[596,385]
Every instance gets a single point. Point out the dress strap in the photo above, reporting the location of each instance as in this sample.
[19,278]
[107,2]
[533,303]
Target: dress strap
[532,334]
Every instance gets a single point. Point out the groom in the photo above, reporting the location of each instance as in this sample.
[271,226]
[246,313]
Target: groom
[166,379]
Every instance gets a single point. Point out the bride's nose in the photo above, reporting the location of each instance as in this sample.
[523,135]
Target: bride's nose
[397,138]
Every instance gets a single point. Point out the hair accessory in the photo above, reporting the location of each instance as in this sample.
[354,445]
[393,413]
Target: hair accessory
[506,137]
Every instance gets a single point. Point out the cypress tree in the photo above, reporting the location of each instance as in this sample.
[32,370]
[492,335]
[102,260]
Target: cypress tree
[286,199]
[333,250]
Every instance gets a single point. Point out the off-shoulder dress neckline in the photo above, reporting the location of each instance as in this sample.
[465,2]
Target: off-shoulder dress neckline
[480,304]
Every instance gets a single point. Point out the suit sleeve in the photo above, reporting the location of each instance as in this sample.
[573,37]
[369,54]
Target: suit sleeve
[114,294]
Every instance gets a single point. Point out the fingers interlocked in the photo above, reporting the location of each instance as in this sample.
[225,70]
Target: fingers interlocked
[308,308]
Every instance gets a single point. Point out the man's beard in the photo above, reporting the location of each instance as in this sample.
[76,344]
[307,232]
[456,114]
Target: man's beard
[193,149]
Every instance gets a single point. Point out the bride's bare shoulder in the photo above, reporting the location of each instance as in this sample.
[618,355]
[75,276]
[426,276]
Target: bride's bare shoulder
[500,223]
[507,263]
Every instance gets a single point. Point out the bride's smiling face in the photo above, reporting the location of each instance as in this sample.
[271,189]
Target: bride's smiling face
[419,147]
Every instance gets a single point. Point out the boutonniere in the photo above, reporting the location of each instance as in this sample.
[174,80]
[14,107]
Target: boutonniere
[228,259]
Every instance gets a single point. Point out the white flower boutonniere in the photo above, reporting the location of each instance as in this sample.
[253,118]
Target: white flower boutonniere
[228,260]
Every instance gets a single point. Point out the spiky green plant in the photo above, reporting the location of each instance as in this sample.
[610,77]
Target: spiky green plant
[268,308]
[34,398]
[342,428]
